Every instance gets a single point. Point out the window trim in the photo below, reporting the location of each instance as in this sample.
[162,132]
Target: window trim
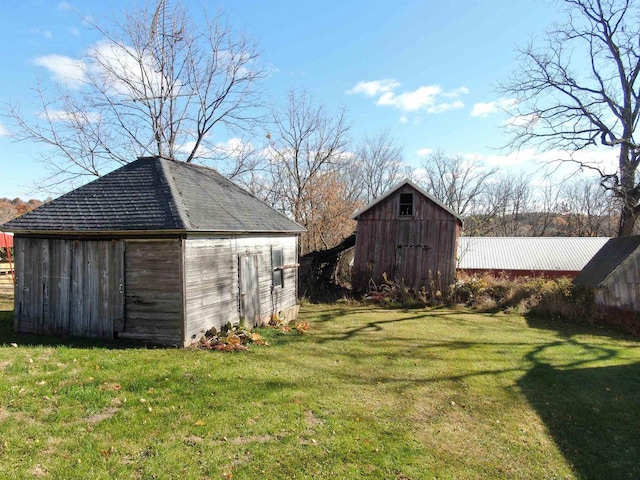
[403,205]
[277,272]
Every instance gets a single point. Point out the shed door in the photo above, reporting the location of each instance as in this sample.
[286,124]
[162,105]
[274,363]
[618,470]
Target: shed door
[96,295]
[249,289]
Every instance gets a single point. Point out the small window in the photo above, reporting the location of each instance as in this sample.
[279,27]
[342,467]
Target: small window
[276,263]
[406,204]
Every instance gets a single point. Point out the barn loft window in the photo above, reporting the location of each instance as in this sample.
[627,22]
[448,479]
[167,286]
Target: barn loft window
[406,204]
[277,257]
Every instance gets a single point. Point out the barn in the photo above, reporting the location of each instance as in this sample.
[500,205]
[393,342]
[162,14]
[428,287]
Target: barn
[614,275]
[157,250]
[512,257]
[408,236]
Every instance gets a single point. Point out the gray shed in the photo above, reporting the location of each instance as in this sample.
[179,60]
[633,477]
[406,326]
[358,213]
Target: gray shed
[614,274]
[157,250]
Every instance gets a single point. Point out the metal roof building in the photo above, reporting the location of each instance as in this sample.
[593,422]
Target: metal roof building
[532,256]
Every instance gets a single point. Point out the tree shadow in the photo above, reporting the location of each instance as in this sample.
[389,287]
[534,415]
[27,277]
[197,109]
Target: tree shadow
[592,414]
[567,328]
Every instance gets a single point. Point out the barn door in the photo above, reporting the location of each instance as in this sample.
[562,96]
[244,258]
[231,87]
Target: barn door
[249,289]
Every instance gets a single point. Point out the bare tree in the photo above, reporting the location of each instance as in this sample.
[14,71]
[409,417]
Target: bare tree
[158,83]
[585,210]
[306,142]
[456,181]
[376,165]
[580,89]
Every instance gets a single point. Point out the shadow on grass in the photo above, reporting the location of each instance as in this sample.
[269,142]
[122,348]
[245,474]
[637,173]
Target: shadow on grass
[592,414]
[9,336]
[566,328]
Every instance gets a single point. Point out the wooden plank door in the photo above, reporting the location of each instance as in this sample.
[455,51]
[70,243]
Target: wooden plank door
[97,297]
[249,289]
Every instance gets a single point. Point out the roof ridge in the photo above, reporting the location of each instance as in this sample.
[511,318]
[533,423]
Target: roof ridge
[396,187]
[176,203]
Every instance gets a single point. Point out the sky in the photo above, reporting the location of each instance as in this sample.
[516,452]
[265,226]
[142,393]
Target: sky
[427,71]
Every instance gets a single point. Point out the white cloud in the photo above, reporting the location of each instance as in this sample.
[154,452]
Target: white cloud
[73,31]
[65,69]
[374,88]
[427,98]
[482,109]
[411,101]
[403,119]
[4,132]
[423,152]
[65,6]
[234,148]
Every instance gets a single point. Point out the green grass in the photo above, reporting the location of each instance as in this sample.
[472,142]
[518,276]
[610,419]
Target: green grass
[366,393]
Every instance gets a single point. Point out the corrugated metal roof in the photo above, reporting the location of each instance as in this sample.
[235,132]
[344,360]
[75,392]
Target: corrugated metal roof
[156,194]
[527,253]
[608,258]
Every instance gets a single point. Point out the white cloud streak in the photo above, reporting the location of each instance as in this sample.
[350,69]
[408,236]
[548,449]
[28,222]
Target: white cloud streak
[427,98]
[374,88]
[65,69]
[482,109]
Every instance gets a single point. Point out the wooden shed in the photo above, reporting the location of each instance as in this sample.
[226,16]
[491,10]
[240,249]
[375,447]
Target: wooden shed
[614,274]
[408,236]
[157,250]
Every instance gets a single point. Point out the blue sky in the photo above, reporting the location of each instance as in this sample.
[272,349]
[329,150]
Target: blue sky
[425,70]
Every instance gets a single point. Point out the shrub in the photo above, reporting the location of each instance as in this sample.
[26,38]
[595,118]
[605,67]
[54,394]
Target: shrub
[539,296]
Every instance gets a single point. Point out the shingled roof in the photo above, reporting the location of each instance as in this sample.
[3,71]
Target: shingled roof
[606,260]
[156,194]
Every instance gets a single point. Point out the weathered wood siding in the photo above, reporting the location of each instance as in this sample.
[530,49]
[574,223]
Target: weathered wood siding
[621,289]
[68,288]
[418,250]
[212,280]
[153,286]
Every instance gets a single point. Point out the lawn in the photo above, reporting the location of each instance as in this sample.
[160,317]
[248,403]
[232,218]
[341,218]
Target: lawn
[365,393]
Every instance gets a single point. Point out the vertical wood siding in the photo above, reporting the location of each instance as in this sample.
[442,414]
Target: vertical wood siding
[212,276]
[621,289]
[68,287]
[153,286]
[418,250]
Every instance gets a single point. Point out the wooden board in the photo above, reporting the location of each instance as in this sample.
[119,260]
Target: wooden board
[153,291]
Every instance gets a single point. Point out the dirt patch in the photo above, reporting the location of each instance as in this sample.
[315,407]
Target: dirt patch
[311,419]
[38,471]
[104,415]
[250,439]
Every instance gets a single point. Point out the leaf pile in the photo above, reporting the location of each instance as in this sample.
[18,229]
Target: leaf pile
[230,338]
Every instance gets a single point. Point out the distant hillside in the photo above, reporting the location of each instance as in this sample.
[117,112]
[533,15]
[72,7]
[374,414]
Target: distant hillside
[14,208]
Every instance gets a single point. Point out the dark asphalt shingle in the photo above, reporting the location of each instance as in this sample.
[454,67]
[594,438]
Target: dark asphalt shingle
[606,260]
[156,194]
